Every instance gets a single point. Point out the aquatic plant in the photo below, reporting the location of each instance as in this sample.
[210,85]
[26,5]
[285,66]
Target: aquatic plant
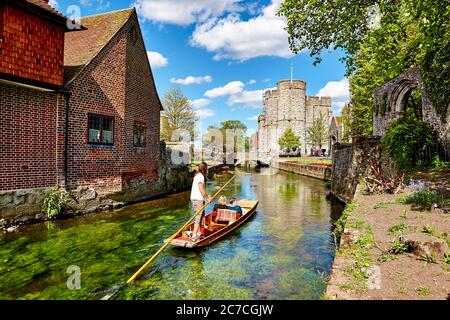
[54,202]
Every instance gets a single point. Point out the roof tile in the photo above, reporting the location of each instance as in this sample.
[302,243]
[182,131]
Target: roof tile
[82,46]
[44,5]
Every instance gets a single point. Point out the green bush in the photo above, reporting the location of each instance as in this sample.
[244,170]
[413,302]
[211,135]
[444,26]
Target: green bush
[422,198]
[403,141]
[54,203]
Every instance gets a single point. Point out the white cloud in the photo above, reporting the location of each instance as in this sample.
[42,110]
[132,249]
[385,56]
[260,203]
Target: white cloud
[192,80]
[53,3]
[228,89]
[205,113]
[157,60]
[338,91]
[254,118]
[184,12]
[233,38]
[200,103]
[251,98]
[251,82]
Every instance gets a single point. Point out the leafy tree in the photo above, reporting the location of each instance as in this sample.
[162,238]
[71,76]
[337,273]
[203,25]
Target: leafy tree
[178,115]
[289,140]
[346,121]
[318,131]
[404,140]
[380,39]
[234,125]
[234,128]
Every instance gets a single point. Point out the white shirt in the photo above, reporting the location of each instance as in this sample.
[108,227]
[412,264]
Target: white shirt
[195,191]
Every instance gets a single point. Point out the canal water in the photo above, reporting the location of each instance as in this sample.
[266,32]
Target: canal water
[284,252]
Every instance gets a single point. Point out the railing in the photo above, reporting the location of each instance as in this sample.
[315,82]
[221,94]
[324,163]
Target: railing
[428,153]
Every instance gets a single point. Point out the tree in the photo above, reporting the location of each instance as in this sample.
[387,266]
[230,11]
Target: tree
[219,134]
[380,39]
[289,140]
[318,131]
[178,115]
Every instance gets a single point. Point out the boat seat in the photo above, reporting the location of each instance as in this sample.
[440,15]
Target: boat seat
[225,215]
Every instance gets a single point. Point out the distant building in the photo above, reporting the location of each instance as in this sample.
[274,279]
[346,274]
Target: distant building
[285,107]
[336,129]
[79,108]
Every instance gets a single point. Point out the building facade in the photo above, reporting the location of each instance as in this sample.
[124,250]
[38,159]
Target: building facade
[286,107]
[78,108]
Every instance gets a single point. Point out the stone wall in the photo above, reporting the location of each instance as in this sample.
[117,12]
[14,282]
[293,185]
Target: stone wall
[24,206]
[352,161]
[313,171]
[285,107]
[391,102]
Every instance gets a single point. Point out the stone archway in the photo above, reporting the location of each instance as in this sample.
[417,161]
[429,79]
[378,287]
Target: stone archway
[391,101]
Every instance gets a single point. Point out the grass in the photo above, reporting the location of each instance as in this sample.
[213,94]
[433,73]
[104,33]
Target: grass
[446,258]
[359,252]
[381,205]
[424,198]
[340,223]
[398,228]
[398,247]
[423,291]
[308,160]
[432,231]
[429,258]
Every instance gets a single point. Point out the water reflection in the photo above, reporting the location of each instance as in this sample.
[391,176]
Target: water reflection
[283,252]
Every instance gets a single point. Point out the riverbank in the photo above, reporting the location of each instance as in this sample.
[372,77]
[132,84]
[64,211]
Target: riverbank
[284,252]
[318,170]
[373,261]
[24,208]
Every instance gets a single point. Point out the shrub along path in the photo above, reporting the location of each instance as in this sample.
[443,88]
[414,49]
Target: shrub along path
[375,260]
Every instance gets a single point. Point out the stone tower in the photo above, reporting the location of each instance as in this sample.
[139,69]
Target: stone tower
[288,107]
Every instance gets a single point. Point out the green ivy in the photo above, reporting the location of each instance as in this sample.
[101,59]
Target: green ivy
[403,140]
[436,77]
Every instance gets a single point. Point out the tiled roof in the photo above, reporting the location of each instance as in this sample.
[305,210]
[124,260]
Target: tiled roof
[44,5]
[82,46]
[338,120]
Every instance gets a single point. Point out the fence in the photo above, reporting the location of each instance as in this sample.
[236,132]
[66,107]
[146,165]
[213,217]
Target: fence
[428,153]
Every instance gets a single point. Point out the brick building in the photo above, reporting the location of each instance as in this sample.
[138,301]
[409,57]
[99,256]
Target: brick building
[78,108]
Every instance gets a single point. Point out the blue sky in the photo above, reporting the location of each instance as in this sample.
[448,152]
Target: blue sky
[223,54]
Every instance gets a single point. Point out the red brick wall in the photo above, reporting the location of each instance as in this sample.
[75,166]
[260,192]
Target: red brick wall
[32,47]
[142,105]
[27,138]
[99,89]
[117,83]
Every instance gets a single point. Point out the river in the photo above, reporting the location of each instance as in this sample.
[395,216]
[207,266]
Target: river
[284,252]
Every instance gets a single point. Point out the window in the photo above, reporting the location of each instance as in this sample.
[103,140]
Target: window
[101,129]
[139,134]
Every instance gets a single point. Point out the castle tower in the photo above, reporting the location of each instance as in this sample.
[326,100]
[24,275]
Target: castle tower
[288,107]
[291,107]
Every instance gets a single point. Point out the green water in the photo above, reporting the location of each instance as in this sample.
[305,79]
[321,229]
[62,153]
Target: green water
[284,252]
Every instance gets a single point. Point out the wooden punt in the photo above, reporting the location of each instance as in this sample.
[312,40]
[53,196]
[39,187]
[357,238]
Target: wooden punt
[215,231]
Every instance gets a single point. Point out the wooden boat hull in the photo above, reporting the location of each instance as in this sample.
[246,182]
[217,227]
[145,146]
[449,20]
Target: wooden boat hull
[248,205]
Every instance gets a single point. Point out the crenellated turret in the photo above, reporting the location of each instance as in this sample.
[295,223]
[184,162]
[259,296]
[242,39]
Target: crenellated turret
[286,107]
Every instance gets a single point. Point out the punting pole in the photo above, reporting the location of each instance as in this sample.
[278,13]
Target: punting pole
[134,276]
